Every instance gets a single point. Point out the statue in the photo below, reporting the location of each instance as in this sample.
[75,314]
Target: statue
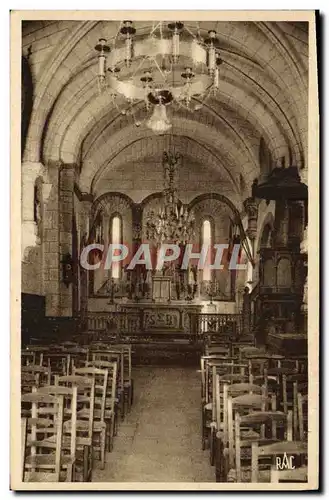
[290,326]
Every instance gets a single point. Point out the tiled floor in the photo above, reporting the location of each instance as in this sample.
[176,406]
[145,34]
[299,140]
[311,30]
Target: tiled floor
[160,440]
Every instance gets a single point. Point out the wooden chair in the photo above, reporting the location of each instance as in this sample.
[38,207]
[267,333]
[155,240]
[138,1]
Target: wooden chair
[58,362]
[245,398]
[23,444]
[33,355]
[204,360]
[243,441]
[27,357]
[84,424]
[206,391]
[128,381]
[33,376]
[302,415]
[78,358]
[99,423]
[295,449]
[291,385]
[116,356]
[245,351]
[69,439]
[42,458]
[110,414]
[221,350]
[223,389]
[238,345]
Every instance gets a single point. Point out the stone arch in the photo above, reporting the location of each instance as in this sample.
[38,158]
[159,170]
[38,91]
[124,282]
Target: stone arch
[283,274]
[101,201]
[268,227]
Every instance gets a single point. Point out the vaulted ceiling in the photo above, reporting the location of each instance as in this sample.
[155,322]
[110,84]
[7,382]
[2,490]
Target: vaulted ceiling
[262,94]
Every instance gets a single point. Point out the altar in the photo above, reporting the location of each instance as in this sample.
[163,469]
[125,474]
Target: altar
[163,319]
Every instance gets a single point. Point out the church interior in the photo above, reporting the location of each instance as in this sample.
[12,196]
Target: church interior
[139,134]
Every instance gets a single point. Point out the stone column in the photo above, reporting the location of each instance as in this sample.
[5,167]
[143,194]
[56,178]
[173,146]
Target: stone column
[66,189]
[251,208]
[30,172]
[84,221]
[51,259]
[137,217]
[246,312]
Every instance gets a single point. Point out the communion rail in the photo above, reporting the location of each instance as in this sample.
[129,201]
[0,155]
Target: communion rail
[133,324]
[226,325]
[114,322]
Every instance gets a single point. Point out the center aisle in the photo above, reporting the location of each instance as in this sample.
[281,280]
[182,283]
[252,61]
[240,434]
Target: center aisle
[160,440]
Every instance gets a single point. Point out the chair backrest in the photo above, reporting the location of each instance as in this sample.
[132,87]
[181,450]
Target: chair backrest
[225,366]
[70,399]
[33,355]
[238,345]
[86,398]
[101,380]
[222,350]
[288,449]
[27,357]
[44,435]
[127,351]
[251,422]
[244,403]
[58,362]
[111,367]
[33,376]
[112,356]
[245,351]
[78,358]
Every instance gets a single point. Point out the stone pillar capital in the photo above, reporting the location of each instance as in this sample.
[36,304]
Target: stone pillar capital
[251,207]
[31,170]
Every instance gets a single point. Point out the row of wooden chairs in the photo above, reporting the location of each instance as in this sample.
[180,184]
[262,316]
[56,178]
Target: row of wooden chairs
[71,396]
[253,413]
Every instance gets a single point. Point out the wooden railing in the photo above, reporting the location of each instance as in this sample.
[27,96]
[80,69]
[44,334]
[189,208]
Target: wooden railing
[134,324]
[114,322]
[217,324]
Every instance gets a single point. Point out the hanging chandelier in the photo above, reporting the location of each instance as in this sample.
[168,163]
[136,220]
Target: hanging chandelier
[173,223]
[169,65]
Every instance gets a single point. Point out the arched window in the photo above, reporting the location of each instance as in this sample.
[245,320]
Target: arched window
[116,238]
[207,240]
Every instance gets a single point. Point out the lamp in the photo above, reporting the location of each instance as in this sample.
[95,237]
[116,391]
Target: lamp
[159,122]
[139,68]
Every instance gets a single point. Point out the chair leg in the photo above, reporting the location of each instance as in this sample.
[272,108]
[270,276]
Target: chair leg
[111,434]
[219,460]
[122,405]
[91,464]
[102,446]
[86,458]
[128,398]
[70,473]
[203,424]
[212,446]
[131,392]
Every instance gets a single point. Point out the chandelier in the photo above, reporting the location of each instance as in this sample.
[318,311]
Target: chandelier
[173,223]
[168,64]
